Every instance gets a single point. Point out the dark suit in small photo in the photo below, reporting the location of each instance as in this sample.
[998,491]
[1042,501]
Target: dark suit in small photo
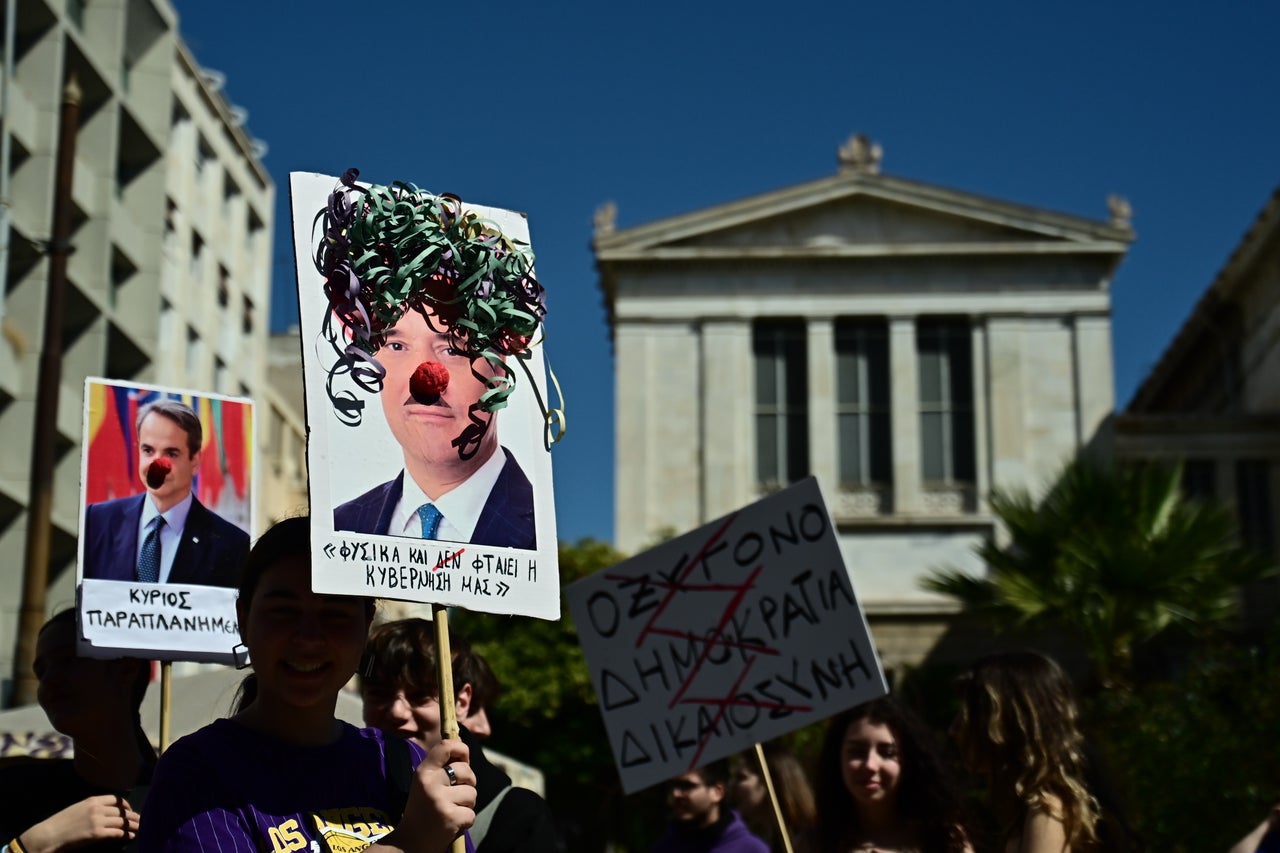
[475,493]
[164,535]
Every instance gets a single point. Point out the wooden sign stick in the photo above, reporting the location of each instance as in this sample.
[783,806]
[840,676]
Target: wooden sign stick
[444,677]
[773,798]
[166,711]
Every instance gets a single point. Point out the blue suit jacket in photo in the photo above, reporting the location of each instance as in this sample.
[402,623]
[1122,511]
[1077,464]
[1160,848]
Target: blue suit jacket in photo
[505,521]
[211,553]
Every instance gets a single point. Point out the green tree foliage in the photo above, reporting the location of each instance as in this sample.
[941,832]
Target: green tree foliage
[1194,758]
[1114,556]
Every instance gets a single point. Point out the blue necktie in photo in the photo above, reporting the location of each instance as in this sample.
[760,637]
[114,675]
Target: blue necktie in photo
[430,518]
[149,561]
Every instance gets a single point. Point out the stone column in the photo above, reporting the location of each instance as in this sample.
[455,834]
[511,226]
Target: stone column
[632,456]
[820,353]
[728,426]
[981,415]
[904,415]
[1008,405]
[1093,372]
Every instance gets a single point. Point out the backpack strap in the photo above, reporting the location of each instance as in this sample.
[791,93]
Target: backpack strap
[484,818]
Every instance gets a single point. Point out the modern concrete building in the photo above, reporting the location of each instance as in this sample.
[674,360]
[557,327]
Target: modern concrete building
[169,282]
[909,345]
[282,431]
[1213,400]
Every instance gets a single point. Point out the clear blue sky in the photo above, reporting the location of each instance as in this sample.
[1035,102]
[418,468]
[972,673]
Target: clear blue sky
[661,107]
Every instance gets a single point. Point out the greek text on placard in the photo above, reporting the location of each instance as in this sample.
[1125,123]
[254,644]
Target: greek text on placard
[748,625]
[154,595]
[133,621]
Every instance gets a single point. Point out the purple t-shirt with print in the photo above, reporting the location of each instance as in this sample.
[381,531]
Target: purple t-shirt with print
[228,788]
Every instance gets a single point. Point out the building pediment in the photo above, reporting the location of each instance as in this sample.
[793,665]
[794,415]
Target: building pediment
[860,215]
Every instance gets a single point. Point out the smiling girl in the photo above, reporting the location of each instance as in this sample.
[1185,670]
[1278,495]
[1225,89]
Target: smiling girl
[881,786]
[284,773]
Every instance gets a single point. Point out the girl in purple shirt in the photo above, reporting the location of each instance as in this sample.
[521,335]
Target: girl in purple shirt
[284,773]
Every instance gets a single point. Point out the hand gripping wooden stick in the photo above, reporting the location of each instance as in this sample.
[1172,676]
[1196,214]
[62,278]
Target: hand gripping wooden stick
[444,677]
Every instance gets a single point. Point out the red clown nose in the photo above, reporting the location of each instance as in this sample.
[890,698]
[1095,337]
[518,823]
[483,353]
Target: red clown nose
[428,382]
[157,471]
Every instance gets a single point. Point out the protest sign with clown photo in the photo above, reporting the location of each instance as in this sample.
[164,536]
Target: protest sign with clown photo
[167,507]
[429,427]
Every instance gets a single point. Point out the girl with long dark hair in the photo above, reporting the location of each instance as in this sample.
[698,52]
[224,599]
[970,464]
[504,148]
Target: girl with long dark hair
[284,773]
[881,786]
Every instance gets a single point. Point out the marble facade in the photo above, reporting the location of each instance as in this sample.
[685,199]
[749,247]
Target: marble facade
[1023,292]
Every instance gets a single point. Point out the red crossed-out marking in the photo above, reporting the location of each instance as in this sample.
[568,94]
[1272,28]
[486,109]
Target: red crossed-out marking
[446,558]
[674,589]
[716,638]
[721,705]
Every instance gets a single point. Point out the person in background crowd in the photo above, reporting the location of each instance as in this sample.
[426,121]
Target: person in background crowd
[89,802]
[1018,729]
[701,820]
[470,668]
[402,697]
[284,773]
[795,797]
[881,786]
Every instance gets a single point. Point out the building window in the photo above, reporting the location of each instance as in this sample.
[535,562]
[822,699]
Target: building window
[945,360]
[230,195]
[782,420]
[1253,504]
[221,376]
[170,224]
[164,333]
[862,402]
[205,156]
[197,257]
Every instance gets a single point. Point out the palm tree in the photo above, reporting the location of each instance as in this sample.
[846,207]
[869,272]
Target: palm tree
[1113,556]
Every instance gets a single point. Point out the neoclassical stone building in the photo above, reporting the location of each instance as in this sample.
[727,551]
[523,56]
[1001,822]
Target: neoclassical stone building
[909,345]
[1213,399]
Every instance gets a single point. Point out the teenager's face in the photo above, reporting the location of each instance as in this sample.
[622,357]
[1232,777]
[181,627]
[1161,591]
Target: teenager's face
[415,716]
[407,714]
[870,763]
[304,646]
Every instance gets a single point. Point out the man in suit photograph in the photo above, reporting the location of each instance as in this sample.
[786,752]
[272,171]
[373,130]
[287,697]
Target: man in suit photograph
[458,483]
[164,535]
